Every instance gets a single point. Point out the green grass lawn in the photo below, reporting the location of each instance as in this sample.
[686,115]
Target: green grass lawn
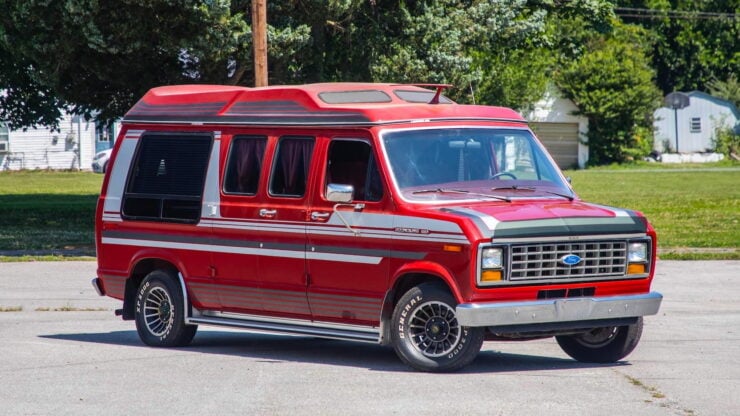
[42,210]
[696,209]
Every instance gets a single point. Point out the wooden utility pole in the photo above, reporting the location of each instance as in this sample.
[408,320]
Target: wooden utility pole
[259,41]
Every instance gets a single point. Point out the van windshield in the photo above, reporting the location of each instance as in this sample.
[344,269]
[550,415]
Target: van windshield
[471,163]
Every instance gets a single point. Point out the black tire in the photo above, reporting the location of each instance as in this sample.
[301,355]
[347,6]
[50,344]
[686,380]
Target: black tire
[105,167]
[602,345]
[160,312]
[426,335]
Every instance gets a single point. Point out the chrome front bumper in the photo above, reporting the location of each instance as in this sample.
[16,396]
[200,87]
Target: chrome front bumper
[558,310]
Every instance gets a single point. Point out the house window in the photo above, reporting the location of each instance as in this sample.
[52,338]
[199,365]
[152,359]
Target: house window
[4,137]
[696,125]
[167,177]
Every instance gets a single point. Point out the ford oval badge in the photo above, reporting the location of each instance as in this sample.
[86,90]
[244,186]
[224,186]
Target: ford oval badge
[570,259]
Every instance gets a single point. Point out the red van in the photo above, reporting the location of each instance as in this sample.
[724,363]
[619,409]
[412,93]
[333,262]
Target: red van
[370,212]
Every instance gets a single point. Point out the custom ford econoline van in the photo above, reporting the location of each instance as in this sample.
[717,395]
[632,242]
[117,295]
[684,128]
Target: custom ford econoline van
[370,212]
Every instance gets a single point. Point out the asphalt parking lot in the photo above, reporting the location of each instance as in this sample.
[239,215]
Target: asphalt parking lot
[63,352]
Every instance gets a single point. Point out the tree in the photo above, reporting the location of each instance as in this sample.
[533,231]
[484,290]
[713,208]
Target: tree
[515,78]
[694,41]
[90,56]
[23,100]
[97,57]
[728,89]
[488,49]
[518,74]
[612,85]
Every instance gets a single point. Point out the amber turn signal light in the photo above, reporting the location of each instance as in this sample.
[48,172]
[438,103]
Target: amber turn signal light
[452,248]
[490,276]
[636,269]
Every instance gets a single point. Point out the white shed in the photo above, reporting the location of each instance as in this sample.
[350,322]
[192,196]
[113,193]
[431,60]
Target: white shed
[73,147]
[695,124]
[562,132]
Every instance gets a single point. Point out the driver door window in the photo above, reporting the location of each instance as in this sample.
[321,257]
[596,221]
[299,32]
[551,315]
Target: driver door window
[351,162]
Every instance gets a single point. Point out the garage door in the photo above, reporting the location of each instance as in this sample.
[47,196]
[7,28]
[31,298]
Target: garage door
[561,140]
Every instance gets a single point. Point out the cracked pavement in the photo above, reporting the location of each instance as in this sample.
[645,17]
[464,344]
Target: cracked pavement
[80,359]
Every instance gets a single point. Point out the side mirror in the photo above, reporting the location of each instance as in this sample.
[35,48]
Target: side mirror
[339,193]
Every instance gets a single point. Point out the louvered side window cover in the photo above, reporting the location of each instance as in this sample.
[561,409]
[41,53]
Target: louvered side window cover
[167,177]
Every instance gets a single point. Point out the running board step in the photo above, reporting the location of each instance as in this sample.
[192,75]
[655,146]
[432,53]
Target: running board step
[293,328]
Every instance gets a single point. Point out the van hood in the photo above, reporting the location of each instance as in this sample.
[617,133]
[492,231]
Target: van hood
[548,219]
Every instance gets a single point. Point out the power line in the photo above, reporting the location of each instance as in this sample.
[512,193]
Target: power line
[671,14]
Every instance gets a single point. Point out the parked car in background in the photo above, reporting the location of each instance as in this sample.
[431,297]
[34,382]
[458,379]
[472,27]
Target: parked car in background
[100,161]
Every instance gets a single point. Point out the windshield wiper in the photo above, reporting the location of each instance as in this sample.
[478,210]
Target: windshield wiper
[458,191]
[531,189]
[440,191]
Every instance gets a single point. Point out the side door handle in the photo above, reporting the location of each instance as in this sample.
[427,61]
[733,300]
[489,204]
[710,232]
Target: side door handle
[268,213]
[320,216]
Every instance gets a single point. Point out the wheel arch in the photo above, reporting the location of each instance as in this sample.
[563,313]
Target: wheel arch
[142,267]
[410,276]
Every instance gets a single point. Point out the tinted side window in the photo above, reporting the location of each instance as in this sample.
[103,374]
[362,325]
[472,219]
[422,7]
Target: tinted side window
[244,164]
[351,162]
[290,169]
[166,178]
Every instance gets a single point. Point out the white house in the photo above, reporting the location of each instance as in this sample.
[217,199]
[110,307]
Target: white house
[73,147]
[692,129]
[562,132]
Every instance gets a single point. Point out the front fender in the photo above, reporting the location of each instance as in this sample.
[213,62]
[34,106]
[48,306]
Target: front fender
[430,269]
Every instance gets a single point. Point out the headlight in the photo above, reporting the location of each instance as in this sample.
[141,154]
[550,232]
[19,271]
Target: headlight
[637,253]
[492,258]
[637,257]
[491,266]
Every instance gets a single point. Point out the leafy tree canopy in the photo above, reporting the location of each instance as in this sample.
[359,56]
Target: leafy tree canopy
[97,57]
[612,85]
[94,56]
[694,41]
[728,89]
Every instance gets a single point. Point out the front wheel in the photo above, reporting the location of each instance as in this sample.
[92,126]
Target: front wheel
[160,312]
[426,334]
[602,345]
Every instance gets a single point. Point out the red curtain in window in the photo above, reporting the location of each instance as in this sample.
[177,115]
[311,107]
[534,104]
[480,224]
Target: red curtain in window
[249,154]
[295,155]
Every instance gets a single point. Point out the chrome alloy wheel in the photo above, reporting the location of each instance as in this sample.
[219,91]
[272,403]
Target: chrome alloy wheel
[158,312]
[434,329]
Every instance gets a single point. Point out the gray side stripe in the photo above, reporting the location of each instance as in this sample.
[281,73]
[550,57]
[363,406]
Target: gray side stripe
[118,237]
[485,223]
[412,255]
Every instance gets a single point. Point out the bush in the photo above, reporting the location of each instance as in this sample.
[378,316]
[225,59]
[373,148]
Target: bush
[726,141]
[640,146]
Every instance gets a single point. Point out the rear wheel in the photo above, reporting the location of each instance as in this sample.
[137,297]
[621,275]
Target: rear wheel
[602,345]
[426,334]
[160,312]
